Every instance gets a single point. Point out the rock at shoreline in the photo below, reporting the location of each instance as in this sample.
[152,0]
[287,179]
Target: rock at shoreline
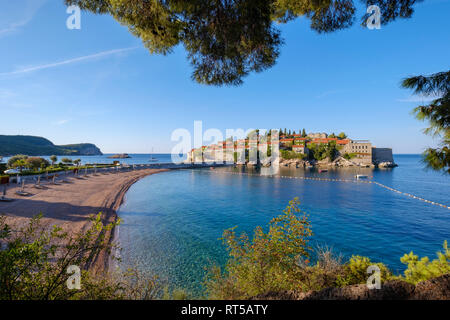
[387,164]
[119,156]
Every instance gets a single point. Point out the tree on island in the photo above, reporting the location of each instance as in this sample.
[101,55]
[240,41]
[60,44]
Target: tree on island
[437,113]
[304,135]
[228,40]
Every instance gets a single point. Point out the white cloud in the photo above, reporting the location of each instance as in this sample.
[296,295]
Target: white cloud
[66,62]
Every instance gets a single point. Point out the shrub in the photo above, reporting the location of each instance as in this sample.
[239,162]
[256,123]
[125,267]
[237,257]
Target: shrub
[37,163]
[323,274]
[355,271]
[286,154]
[267,263]
[424,269]
[12,162]
[349,156]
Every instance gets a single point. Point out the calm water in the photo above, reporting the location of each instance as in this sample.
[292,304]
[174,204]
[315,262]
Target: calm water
[172,220]
[135,158]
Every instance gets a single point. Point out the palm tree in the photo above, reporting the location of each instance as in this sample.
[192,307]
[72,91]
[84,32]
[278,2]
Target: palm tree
[437,113]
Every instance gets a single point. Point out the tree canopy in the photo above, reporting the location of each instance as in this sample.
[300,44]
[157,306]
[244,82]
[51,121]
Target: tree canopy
[437,113]
[228,39]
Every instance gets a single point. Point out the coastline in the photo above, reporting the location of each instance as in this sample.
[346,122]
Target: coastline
[69,205]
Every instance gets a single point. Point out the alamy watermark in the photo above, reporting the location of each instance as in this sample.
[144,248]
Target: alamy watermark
[236,146]
[374,20]
[73,22]
[74,281]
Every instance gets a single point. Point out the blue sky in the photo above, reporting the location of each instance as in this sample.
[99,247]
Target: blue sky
[100,85]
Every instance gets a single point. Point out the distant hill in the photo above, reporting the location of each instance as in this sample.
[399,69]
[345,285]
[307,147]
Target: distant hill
[38,146]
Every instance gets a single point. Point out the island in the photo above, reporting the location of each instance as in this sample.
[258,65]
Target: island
[119,156]
[296,150]
[38,146]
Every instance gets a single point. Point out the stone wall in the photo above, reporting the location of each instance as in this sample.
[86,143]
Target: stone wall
[382,155]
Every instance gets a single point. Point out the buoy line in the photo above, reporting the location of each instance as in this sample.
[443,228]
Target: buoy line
[341,180]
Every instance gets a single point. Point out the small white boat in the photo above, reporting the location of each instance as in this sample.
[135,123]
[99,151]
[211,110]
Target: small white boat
[152,159]
[361,176]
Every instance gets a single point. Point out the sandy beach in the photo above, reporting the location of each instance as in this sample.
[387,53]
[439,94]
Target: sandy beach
[70,205]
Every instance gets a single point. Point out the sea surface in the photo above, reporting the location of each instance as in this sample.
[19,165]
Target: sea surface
[172,221]
[103,159]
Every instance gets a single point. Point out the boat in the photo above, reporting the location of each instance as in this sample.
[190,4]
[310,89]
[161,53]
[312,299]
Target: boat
[152,159]
[323,170]
[361,176]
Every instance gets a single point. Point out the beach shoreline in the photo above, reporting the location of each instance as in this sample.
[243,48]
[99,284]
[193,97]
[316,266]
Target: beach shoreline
[70,205]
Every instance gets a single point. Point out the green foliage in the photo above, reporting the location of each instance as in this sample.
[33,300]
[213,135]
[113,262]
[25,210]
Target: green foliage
[322,151]
[268,262]
[36,163]
[437,113]
[355,271]
[36,146]
[12,162]
[286,154]
[33,266]
[349,156]
[26,267]
[342,135]
[53,159]
[424,269]
[227,40]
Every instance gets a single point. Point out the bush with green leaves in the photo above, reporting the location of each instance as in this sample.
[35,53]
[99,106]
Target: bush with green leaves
[288,155]
[14,160]
[423,269]
[267,263]
[349,156]
[355,271]
[35,259]
[36,163]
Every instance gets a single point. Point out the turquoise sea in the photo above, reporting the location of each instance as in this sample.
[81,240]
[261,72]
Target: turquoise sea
[172,221]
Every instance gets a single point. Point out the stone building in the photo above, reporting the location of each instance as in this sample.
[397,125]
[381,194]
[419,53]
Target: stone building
[319,135]
[361,148]
[300,148]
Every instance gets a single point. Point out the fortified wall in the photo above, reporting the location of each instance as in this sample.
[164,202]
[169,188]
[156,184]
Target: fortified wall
[380,155]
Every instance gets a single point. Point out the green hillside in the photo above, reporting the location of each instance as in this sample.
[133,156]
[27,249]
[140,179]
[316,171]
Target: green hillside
[37,146]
